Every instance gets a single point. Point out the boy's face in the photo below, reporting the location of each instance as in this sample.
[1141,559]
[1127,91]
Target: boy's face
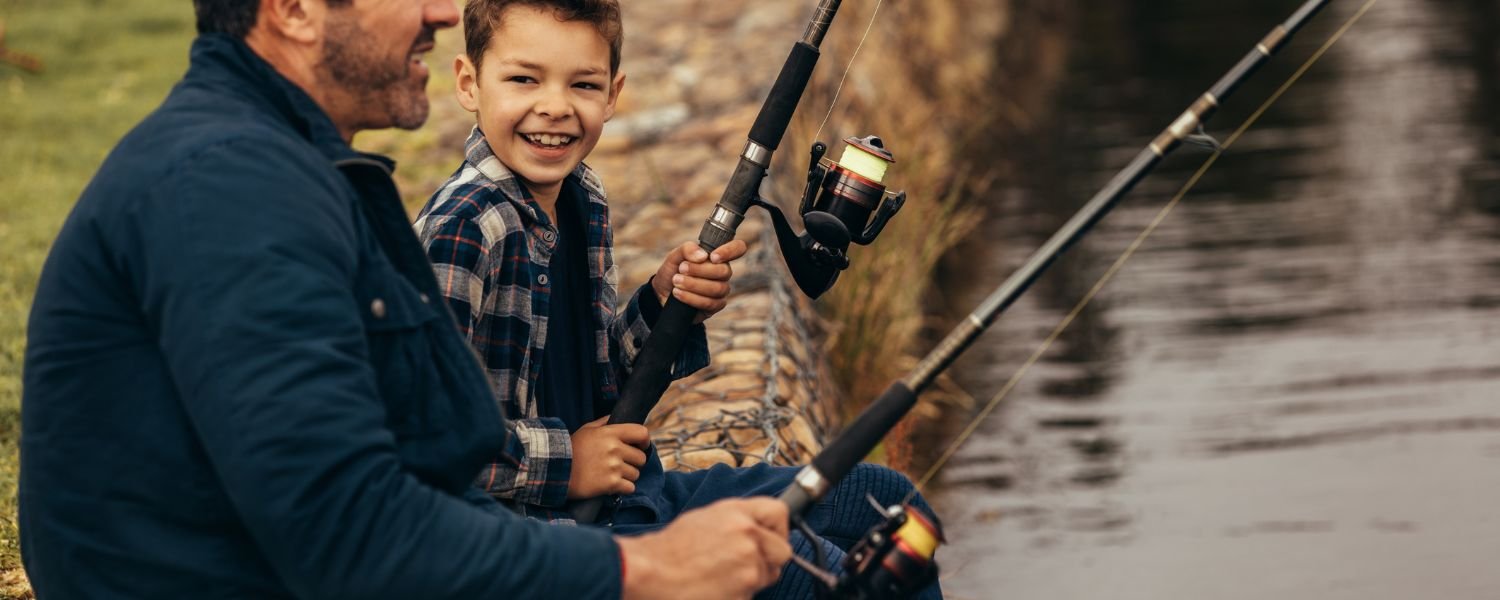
[543,94]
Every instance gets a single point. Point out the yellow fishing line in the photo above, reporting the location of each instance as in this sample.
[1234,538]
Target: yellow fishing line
[1130,251]
[863,163]
[919,537]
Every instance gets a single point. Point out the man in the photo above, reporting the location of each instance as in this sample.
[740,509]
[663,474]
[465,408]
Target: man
[240,381]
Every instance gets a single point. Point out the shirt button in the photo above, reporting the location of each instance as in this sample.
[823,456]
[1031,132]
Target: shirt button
[377,308]
[542,279]
[423,297]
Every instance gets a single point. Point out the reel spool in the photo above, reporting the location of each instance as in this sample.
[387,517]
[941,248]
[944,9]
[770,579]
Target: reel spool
[841,196]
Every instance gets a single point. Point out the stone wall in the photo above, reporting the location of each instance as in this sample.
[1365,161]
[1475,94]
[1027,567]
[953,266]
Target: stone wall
[697,72]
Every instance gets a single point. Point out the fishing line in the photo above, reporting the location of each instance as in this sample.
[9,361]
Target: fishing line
[838,90]
[1130,251]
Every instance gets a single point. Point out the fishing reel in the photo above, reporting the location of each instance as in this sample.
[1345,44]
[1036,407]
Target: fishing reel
[893,560]
[836,208]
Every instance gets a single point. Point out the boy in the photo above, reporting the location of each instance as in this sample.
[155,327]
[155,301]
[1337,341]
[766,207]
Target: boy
[520,241]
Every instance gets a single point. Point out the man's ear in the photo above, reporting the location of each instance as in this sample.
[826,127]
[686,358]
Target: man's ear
[298,20]
[466,83]
[614,96]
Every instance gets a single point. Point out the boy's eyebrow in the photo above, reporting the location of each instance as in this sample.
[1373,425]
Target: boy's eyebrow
[526,64]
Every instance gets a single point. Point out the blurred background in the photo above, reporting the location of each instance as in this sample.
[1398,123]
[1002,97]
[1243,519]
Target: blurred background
[1291,391]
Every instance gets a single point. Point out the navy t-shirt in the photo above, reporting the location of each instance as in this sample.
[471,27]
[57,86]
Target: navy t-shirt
[568,387]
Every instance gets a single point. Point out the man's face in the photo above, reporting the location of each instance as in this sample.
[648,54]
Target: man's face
[543,93]
[372,53]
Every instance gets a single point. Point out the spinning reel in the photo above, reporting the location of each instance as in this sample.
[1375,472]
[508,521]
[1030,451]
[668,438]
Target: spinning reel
[893,560]
[838,201]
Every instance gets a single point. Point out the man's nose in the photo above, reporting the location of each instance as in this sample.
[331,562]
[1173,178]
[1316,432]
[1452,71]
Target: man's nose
[440,14]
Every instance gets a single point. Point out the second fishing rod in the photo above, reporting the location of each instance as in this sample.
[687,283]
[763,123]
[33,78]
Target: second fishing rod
[896,559]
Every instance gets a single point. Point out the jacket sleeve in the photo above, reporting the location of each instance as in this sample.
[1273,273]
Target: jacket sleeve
[628,332]
[248,281]
[538,458]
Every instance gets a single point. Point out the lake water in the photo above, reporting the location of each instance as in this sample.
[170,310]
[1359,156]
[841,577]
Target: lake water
[1293,389]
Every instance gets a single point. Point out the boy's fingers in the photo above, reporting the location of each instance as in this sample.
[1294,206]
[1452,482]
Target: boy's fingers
[723,254]
[721,272]
[690,251]
[707,288]
[633,456]
[634,434]
[702,303]
[629,473]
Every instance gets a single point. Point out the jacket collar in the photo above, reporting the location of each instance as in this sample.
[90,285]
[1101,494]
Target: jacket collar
[477,152]
[227,65]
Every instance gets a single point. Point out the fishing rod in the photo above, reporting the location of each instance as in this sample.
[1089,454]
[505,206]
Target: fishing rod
[895,559]
[844,201]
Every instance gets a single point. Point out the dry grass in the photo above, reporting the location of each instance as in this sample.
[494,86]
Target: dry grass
[918,82]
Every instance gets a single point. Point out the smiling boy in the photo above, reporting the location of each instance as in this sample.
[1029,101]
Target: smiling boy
[520,241]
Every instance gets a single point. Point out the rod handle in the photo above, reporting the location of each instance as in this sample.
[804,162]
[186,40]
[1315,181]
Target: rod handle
[653,365]
[776,113]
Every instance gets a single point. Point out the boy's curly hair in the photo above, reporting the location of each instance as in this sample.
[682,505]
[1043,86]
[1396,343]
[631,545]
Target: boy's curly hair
[483,17]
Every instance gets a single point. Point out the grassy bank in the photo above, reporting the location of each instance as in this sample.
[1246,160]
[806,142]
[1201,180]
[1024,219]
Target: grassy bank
[105,66]
[920,82]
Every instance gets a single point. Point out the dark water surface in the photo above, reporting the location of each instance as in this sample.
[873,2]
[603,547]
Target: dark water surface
[1293,390]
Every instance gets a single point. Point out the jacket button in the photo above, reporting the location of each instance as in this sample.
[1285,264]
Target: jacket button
[549,237]
[424,298]
[377,308]
[542,279]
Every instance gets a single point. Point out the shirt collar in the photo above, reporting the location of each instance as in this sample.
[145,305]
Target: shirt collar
[225,62]
[477,153]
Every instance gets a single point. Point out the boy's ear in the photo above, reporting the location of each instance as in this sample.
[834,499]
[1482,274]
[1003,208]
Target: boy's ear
[614,96]
[466,82]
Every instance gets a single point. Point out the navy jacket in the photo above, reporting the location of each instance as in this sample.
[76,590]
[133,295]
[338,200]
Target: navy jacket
[241,380]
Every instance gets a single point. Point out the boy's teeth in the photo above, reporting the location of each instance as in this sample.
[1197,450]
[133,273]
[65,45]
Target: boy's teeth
[548,139]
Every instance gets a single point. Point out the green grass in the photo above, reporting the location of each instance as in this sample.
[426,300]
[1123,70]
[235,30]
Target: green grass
[106,64]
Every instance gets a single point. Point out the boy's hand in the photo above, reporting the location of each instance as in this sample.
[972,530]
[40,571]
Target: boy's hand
[697,278]
[607,459]
[728,549]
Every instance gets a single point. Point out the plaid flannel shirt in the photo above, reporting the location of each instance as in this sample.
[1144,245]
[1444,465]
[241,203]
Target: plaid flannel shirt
[490,245]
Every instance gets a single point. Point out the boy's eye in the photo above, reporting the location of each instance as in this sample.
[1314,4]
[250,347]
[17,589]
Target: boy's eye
[520,79]
[588,85]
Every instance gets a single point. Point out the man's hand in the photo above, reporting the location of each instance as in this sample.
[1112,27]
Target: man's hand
[607,459]
[728,549]
[697,278]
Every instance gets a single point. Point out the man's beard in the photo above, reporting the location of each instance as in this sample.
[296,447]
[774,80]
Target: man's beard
[380,88]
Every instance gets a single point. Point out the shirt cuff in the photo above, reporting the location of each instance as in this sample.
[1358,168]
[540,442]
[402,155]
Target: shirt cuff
[540,453]
[646,302]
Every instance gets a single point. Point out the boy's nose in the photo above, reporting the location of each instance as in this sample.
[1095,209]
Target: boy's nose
[554,105]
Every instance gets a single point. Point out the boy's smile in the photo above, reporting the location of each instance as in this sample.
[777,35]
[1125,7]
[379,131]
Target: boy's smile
[543,91]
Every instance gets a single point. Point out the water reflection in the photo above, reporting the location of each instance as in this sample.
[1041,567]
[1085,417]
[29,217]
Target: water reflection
[1290,391]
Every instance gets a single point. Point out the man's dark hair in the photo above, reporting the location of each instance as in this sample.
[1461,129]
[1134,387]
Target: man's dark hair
[483,17]
[232,17]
